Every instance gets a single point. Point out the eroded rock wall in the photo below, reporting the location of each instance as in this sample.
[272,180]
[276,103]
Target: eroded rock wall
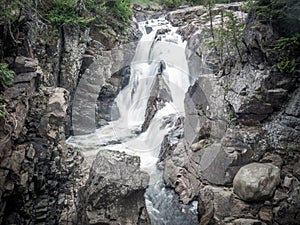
[40,174]
[237,112]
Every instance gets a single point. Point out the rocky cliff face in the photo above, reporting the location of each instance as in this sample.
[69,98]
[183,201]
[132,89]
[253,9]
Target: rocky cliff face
[36,164]
[40,174]
[236,113]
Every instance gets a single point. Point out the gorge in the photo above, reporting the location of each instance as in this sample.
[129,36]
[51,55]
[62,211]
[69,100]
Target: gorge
[189,117]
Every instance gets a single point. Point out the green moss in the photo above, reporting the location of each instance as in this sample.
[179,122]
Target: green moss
[6,75]
[285,43]
[287,66]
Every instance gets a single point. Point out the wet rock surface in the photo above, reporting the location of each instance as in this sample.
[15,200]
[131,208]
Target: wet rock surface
[114,192]
[40,174]
[236,114]
[107,74]
[160,94]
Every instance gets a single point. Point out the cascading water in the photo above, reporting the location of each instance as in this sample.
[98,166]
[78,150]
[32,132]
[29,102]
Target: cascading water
[160,56]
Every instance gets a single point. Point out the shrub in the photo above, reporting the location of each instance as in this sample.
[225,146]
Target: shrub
[285,43]
[287,66]
[6,75]
[66,12]
[122,10]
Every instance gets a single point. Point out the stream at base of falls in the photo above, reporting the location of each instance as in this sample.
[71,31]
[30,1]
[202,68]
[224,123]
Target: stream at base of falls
[159,71]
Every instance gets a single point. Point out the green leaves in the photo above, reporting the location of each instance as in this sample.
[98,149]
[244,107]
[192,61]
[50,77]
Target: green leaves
[121,9]
[283,13]
[66,12]
[227,39]
[6,75]
[285,43]
[6,78]
[287,66]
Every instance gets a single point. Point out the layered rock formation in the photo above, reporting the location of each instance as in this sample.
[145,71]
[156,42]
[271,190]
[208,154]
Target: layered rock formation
[36,164]
[159,95]
[40,174]
[236,113]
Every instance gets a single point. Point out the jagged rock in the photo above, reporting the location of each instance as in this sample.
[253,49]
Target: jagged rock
[288,212]
[272,158]
[25,65]
[113,65]
[199,145]
[58,104]
[148,29]
[180,172]
[115,190]
[266,214]
[106,106]
[219,162]
[146,12]
[160,94]
[205,111]
[283,131]
[19,95]
[72,52]
[219,205]
[256,181]
[183,16]
[215,165]
[171,140]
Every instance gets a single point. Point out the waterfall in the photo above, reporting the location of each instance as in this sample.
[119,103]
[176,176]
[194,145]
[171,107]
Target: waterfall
[159,71]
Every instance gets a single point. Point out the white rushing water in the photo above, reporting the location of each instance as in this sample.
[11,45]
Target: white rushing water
[124,134]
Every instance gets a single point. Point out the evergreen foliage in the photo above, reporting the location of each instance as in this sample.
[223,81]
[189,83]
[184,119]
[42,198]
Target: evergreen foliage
[6,75]
[6,79]
[283,14]
[121,8]
[228,36]
[289,47]
[66,12]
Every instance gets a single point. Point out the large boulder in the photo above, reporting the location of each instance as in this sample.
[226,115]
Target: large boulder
[114,192]
[256,181]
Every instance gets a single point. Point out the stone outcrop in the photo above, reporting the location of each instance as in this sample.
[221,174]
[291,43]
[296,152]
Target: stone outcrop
[107,109]
[180,173]
[40,174]
[106,73]
[36,167]
[160,94]
[218,205]
[236,113]
[114,192]
[256,182]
